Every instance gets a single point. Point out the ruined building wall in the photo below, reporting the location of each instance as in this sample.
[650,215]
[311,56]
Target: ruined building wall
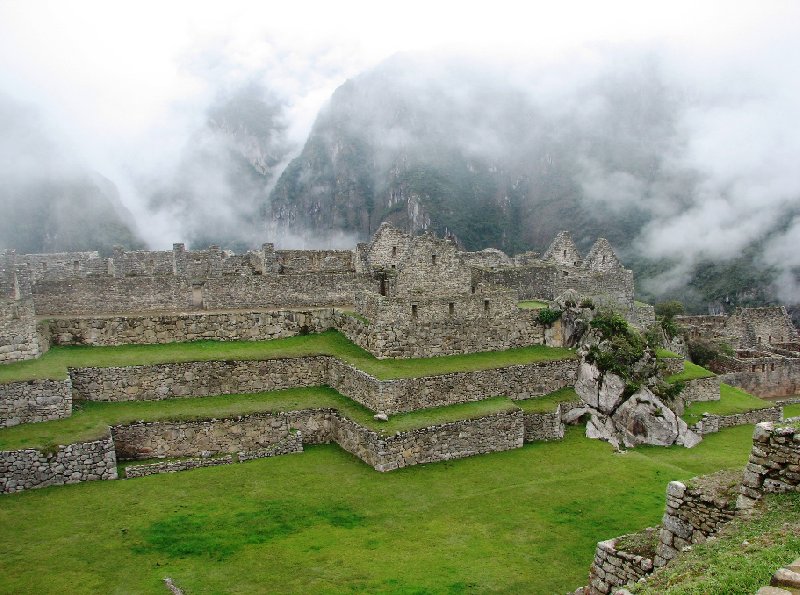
[432,267]
[172,328]
[765,376]
[34,401]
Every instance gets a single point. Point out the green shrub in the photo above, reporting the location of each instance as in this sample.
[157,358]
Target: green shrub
[610,324]
[702,352]
[547,316]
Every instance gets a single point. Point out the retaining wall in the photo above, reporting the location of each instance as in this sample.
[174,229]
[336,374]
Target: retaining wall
[614,568]
[174,328]
[774,464]
[162,381]
[692,514]
[73,463]
[34,401]
[714,423]
[430,339]
[701,389]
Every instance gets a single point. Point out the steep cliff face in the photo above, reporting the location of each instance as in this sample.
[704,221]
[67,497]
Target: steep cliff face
[459,149]
[49,202]
[218,189]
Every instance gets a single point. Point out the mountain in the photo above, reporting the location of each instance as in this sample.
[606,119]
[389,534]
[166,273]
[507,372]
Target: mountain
[220,185]
[505,161]
[48,202]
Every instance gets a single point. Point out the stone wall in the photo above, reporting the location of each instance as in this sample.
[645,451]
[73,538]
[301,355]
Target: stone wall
[144,470]
[543,426]
[195,379]
[693,514]
[73,463]
[714,423]
[34,401]
[109,295]
[172,439]
[614,567]
[444,442]
[701,389]
[19,339]
[774,464]
[445,337]
[171,328]
[259,433]
[767,376]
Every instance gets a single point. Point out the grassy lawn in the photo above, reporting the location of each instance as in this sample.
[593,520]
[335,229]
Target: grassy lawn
[90,420]
[54,363]
[791,410]
[547,403]
[666,353]
[690,372]
[532,305]
[741,559]
[522,521]
[731,400]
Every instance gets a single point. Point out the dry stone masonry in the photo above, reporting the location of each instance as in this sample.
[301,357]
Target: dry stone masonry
[73,463]
[34,401]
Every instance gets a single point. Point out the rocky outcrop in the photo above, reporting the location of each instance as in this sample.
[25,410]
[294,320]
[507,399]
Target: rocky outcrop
[619,415]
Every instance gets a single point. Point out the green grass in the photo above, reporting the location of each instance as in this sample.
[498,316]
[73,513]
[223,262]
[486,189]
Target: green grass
[522,521]
[731,400]
[690,372]
[90,420]
[666,353]
[791,410]
[532,305]
[54,363]
[547,403]
[741,559]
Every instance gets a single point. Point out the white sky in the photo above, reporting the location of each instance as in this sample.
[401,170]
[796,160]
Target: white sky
[115,69]
[121,84]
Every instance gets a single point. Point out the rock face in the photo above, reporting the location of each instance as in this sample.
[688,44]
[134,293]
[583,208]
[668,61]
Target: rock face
[627,421]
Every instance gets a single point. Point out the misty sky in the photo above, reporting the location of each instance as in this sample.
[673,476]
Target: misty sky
[121,88]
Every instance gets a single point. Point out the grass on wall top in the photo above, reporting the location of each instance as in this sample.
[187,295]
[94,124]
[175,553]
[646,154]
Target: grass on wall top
[690,372]
[731,400]
[54,363]
[532,305]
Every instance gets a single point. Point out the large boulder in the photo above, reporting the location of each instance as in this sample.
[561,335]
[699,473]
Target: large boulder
[646,419]
[587,384]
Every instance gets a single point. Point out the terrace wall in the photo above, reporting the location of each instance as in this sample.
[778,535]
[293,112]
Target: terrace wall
[701,389]
[614,568]
[34,401]
[73,463]
[172,328]
[714,423]
[692,515]
[774,464]
[445,337]
[163,381]
[169,439]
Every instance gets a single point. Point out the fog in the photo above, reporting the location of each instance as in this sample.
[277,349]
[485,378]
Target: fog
[193,111]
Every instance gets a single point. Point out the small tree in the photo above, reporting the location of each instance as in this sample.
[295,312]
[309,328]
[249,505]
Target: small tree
[666,313]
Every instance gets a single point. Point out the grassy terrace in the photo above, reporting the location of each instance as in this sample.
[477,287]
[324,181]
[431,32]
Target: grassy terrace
[690,372]
[791,411]
[731,400]
[90,420]
[521,521]
[54,363]
[547,403]
[532,305]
